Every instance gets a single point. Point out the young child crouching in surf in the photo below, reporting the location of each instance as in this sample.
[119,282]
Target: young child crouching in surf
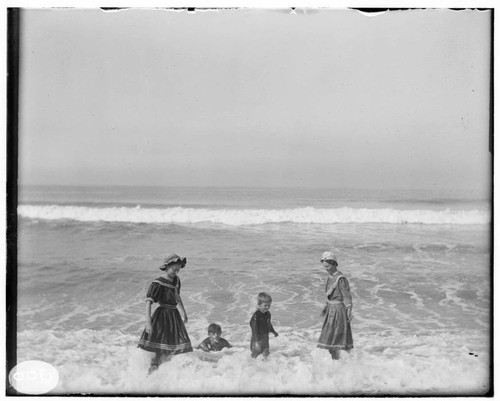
[214,341]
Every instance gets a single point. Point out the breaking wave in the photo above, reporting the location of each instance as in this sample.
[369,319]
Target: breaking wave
[238,217]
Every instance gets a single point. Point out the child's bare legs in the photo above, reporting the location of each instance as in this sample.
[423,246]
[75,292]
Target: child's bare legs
[256,348]
[264,353]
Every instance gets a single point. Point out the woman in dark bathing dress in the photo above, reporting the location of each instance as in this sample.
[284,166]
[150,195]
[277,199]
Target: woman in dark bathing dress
[165,333]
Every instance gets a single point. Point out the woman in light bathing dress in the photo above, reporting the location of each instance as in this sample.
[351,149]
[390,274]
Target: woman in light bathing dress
[336,334]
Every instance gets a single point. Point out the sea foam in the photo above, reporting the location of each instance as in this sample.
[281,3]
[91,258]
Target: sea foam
[238,217]
[108,362]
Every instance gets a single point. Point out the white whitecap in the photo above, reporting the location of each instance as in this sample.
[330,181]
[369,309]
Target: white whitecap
[239,217]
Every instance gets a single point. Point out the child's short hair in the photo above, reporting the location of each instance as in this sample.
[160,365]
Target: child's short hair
[214,328]
[264,297]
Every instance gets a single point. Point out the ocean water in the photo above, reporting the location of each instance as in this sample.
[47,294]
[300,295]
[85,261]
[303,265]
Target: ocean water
[418,263]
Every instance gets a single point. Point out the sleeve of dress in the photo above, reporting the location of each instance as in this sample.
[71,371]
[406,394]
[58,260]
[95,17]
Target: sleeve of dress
[346,293]
[153,292]
[226,344]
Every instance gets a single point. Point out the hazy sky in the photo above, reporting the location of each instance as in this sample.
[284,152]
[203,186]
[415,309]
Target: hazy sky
[255,98]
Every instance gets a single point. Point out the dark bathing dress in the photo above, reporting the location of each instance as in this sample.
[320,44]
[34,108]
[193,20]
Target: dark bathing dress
[168,332]
[336,333]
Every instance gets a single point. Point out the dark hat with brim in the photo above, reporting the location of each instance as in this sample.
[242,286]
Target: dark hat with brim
[171,259]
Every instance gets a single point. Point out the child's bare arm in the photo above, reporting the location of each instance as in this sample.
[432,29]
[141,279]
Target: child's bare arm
[271,328]
[253,325]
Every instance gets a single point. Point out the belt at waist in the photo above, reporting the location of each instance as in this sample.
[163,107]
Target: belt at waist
[167,306]
[334,302]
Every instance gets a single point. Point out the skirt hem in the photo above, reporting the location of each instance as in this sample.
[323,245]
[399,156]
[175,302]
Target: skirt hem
[341,347]
[164,348]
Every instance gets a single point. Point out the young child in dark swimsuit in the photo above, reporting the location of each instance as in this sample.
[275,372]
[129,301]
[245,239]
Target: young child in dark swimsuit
[261,326]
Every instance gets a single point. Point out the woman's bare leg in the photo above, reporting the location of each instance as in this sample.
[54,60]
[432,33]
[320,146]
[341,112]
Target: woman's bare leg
[335,354]
[155,362]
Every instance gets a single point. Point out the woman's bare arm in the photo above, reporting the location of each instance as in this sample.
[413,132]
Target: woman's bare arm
[148,316]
